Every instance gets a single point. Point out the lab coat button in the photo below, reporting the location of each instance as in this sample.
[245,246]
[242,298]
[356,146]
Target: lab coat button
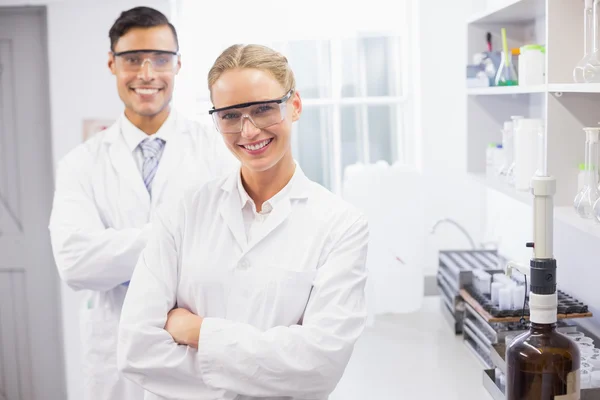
[244,263]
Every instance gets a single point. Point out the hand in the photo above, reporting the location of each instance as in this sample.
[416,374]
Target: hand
[184,327]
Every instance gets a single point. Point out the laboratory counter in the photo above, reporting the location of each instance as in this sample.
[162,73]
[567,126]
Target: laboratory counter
[412,356]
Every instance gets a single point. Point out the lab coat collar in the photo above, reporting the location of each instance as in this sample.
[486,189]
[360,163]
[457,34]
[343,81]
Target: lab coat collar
[231,208]
[245,197]
[124,163]
[134,136]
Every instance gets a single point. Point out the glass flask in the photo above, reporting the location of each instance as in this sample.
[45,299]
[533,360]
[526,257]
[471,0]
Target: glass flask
[591,71]
[507,76]
[586,200]
[588,30]
[510,175]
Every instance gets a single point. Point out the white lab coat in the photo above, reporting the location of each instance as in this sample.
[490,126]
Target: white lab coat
[100,224]
[282,313]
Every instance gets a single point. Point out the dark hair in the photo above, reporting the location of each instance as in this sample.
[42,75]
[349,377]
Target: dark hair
[138,17]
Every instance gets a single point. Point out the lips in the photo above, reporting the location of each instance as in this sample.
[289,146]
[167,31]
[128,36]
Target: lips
[257,147]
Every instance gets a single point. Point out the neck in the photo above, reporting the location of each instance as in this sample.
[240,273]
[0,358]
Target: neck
[263,185]
[536,327]
[149,124]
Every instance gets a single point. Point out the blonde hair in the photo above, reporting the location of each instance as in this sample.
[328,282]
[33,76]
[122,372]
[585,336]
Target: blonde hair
[253,56]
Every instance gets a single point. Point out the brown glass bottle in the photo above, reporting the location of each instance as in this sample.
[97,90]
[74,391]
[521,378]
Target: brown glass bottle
[542,364]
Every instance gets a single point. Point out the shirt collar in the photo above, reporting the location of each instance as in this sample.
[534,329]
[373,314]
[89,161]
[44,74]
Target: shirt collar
[134,136]
[269,204]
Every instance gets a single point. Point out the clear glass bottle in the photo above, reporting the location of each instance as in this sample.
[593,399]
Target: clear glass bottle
[507,76]
[586,201]
[542,364]
[591,72]
[588,30]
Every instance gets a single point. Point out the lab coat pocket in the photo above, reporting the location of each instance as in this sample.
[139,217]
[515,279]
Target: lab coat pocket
[99,343]
[279,295]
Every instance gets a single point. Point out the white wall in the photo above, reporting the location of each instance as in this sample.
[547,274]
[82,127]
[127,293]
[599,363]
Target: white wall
[441,110]
[81,87]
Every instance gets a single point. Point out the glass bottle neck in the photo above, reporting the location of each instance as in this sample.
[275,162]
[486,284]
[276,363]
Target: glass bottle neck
[542,328]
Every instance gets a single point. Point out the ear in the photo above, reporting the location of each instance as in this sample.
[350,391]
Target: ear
[178,64]
[111,63]
[297,106]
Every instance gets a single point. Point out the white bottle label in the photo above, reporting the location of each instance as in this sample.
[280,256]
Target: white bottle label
[573,387]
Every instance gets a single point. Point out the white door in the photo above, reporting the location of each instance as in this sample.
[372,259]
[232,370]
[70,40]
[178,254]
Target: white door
[31,353]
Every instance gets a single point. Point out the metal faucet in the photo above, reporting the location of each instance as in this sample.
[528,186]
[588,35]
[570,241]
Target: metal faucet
[457,225]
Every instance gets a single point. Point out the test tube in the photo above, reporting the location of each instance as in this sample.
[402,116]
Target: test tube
[505,298]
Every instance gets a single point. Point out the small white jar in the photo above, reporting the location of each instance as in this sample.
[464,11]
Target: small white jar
[532,65]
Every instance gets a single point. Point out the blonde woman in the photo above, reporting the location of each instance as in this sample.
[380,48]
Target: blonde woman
[254,287]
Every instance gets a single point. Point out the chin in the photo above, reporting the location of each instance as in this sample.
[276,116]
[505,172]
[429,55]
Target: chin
[259,165]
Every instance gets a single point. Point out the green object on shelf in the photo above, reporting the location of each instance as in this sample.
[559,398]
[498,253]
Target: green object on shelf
[508,83]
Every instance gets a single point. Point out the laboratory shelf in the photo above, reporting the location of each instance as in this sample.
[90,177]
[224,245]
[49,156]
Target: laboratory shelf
[503,90]
[574,88]
[568,216]
[565,214]
[499,186]
[510,12]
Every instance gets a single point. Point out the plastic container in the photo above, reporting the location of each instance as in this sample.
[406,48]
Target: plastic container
[532,65]
[526,151]
[584,339]
[595,379]
[593,359]
[490,160]
[574,335]
[586,379]
[496,286]
[518,297]
[505,298]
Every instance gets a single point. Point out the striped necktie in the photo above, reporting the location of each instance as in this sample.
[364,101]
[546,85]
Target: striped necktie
[152,151]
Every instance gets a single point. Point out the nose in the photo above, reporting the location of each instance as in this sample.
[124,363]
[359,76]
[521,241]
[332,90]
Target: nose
[146,73]
[249,130]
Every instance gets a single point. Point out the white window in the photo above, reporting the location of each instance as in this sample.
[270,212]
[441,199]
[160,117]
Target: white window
[354,82]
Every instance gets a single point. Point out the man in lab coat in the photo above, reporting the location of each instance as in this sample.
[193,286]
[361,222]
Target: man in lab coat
[108,188]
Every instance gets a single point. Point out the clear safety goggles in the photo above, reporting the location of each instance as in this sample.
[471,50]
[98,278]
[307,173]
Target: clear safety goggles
[262,114]
[160,60]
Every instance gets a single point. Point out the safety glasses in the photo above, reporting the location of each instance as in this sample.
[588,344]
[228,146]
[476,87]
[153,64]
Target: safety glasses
[262,114]
[160,60]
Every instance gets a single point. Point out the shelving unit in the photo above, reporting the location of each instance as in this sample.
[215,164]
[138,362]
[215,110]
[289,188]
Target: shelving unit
[564,106]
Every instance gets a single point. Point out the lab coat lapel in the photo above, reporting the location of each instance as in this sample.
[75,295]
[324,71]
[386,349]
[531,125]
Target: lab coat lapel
[124,163]
[276,218]
[231,211]
[282,210]
[172,156]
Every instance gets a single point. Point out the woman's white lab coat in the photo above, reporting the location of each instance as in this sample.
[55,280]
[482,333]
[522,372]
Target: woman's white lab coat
[282,313]
[100,225]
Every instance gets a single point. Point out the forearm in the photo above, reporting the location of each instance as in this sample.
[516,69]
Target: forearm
[99,260]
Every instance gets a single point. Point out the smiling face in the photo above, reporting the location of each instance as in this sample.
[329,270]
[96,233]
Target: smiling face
[257,149]
[145,91]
